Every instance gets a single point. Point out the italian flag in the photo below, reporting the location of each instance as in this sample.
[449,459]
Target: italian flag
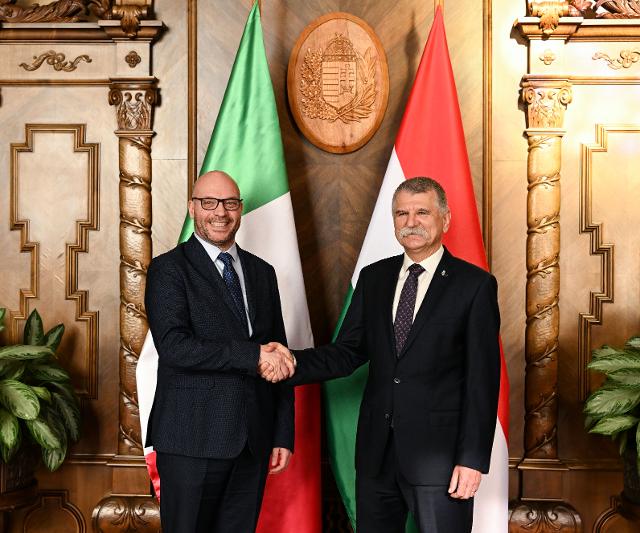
[430,143]
[246,143]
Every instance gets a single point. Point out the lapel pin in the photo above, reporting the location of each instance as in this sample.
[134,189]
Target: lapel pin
[443,273]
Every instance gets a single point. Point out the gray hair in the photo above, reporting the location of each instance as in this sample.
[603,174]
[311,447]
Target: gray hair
[421,184]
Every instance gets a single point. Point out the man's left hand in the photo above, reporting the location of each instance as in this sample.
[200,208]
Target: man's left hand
[279,460]
[464,482]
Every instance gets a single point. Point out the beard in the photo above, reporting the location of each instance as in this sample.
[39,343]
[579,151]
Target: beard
[221,240]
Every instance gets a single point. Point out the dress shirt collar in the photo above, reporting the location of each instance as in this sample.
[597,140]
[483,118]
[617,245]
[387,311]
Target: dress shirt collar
[213,251]
[429,264]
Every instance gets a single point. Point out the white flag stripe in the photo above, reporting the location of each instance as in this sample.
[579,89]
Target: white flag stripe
[491,507]
[146,379]
[269,232]
[380,240]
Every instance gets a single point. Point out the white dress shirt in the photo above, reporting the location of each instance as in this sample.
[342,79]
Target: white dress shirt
[213,251]
[424,280]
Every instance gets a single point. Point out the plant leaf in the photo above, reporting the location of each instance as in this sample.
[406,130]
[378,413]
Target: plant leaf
[42,393]
[54,458]
[11,369]
[611,402]
[613,363]
[633,342]
[19,399]
[33,330]
[54,336]
[70,413]
[626,376]
[9,434]
[43,434]
[48,372]
[21,352]
[2,313]
[623,442]
[604,351]
[613,425]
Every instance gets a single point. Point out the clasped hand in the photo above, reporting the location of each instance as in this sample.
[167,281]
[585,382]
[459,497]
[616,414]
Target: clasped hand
[276,362]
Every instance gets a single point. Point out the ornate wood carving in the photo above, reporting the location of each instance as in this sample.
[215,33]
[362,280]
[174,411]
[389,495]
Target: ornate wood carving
[56,60]
[547,99]
[134,100]
[54,510]
[116,514]
[132,59]
[549,12]
[338,82]
[60,11]
[548,57]
[542,517]
[130,12]
[621,517]
[89,388]
[605,251]
[612,8]
[627,58]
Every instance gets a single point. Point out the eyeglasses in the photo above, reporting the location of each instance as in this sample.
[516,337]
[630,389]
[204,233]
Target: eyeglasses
[230,204]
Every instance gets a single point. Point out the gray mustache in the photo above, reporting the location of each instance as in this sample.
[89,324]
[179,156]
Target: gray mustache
[405,232]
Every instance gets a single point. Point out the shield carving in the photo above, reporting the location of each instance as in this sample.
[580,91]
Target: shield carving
[339,72]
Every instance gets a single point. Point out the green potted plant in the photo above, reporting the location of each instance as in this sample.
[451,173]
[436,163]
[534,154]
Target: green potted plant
[38,405]
[614,408]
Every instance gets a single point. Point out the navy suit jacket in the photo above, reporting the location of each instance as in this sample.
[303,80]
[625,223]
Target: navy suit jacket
[209,399]
[441,392]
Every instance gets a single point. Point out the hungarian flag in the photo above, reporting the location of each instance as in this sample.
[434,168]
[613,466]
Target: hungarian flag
[430,143]
[247,144]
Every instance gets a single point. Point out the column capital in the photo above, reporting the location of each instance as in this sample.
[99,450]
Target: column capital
[547,99]
[135,99]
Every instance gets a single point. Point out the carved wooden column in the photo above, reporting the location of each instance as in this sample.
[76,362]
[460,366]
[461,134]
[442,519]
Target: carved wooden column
[546,98]
[134,99]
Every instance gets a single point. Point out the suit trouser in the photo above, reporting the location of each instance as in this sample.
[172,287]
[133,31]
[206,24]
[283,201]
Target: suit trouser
[199,495]
[382,502]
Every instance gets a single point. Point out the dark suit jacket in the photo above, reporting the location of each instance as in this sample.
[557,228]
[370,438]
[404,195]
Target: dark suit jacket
[209,399]
[441,393]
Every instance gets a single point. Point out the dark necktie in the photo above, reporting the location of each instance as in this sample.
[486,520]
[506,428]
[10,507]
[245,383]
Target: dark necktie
[406,306]
[231,279]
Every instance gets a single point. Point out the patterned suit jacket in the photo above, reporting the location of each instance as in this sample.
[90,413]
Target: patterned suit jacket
[209,400]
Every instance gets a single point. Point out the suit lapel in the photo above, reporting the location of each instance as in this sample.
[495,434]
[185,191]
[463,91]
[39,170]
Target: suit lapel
[201,261]
[440,281]
[249,273]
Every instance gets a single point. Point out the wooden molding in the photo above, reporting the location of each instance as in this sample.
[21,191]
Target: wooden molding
[89,387]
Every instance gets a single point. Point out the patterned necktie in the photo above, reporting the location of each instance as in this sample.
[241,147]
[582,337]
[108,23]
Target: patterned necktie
[406,306]
[231,279]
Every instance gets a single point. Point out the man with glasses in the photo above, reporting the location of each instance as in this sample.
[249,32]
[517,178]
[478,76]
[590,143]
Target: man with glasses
[215,424]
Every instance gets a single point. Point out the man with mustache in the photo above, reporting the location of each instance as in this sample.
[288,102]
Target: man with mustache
[215,423]
[428,325]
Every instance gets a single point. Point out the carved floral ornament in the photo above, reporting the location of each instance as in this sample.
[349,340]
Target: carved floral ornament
[546,103]
[128,11]
[56,60]
[550,11]
[627,58]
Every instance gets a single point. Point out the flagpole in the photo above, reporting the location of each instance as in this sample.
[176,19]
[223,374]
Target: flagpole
[438,3]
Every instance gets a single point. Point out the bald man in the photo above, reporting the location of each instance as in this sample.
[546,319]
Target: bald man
[216,426]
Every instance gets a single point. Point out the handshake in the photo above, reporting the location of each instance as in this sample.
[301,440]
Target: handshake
[276,362]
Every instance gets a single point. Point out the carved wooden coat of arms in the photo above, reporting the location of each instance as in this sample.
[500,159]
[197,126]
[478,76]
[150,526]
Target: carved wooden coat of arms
[338,82]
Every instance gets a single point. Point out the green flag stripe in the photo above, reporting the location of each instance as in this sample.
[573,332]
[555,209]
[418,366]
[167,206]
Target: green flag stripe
[246,141]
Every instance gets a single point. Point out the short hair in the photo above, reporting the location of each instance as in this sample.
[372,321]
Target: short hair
[421,184]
